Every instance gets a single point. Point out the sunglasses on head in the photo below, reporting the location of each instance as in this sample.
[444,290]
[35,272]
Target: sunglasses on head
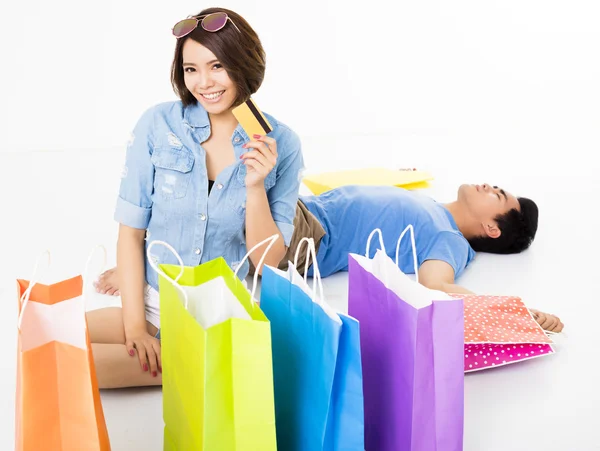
[210,22]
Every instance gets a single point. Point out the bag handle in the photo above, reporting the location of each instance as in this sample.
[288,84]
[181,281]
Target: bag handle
[272,239]
[306,264]
[414,248]
[162,273]
[32,281]
[371,237]
[181,265]
[311,251]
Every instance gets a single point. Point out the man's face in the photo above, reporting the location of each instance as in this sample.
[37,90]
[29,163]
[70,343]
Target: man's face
[485,203]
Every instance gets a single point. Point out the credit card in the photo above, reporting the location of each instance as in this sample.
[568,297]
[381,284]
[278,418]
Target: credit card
[251,119]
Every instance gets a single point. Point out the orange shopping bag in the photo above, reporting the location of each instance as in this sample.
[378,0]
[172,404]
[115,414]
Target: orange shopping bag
[58,406]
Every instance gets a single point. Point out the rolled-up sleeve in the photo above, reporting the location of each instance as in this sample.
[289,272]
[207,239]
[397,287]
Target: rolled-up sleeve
[449,247]
[283,197]
[134,202]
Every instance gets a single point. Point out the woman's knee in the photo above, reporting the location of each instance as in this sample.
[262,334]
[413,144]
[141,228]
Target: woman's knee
[106,325]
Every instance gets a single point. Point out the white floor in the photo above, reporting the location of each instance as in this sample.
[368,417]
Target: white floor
[64,201]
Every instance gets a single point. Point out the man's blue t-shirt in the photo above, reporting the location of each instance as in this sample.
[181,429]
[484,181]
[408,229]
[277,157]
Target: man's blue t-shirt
[349,214]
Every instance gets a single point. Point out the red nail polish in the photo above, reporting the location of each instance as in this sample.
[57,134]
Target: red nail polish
[245,146]
[257,136]
[131,352]
[241,156]
[145,367]
[154,374]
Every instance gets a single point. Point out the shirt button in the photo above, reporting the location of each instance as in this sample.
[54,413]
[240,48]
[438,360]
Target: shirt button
[203,218]
[197,251]
[237,139]
[219,186]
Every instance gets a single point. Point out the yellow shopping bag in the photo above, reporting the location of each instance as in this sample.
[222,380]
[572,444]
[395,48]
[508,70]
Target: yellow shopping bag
[319,183]
[216,359]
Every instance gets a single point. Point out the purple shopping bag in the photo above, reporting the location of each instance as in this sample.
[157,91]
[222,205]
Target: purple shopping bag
[412,341]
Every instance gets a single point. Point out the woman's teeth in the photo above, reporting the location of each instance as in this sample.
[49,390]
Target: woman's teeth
[213,96]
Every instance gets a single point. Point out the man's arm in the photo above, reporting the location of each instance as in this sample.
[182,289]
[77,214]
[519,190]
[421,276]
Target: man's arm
[439,275]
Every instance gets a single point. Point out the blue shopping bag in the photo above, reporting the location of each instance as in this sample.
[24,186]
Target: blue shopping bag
[345,429]
[317,372]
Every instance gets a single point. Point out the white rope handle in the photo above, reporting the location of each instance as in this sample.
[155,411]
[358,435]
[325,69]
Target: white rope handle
[371,237]
[311,251]
[272,239]
[32,281]
[306,263]
[316,273]
[162,273]
[87,268]
[414,248]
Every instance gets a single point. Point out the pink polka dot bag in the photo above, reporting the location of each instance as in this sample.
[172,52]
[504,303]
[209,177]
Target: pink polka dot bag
[499,330]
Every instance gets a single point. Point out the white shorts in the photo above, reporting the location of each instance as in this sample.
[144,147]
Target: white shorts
[151,300]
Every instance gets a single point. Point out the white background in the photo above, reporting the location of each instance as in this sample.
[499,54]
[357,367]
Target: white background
[500,92]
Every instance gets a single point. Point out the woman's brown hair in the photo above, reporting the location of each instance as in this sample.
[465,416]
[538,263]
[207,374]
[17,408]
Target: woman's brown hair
[240,52]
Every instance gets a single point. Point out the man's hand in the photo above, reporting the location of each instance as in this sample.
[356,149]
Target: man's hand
[548,322]
[439,275]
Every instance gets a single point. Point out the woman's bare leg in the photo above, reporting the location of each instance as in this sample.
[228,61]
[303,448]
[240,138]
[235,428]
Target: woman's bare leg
[115,368]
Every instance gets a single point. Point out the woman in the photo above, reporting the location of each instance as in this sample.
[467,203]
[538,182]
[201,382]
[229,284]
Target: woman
[194,179]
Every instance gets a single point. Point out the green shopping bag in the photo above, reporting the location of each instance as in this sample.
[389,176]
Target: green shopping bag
[216,359]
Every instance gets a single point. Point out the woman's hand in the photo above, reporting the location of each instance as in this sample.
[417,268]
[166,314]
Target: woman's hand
[260,160]
[148,350]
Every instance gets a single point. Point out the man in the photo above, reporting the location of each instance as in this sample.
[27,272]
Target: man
[483,218]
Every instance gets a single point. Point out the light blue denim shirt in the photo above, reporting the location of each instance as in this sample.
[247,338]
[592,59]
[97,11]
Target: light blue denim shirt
[164,188]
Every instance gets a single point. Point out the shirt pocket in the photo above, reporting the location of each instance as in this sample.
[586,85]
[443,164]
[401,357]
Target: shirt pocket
[172,171]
